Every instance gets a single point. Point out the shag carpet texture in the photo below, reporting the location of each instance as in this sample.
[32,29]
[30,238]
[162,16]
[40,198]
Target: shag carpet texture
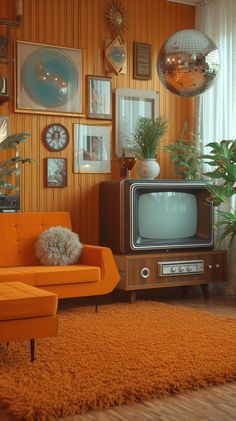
[122,354]
[58,246]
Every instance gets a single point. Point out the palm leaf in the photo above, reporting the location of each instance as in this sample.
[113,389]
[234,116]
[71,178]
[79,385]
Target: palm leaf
[8,186]
[11,142]
[222,156]
[228,215]
[10,165]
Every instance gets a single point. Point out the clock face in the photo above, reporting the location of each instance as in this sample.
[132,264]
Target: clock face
[56,137]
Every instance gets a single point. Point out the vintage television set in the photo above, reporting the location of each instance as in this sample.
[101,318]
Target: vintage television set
[150,216]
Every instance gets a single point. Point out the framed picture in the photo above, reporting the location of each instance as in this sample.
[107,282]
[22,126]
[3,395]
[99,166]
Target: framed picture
[92,148]
[48,79]
[130,105]
[142,61]
[11,12]
[4,128]
[99,94]
[56,172]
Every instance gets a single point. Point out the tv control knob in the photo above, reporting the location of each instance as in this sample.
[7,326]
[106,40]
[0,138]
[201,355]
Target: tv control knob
[210,266]
[189,268]
[145,273]
[217,265]
[181,269]
[173,269]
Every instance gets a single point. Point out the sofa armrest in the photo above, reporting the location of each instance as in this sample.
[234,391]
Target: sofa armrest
[103,258]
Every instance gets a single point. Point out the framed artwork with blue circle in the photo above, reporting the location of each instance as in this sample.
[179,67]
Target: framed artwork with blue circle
[49,79]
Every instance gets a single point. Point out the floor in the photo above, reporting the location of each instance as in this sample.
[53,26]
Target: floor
[216,403]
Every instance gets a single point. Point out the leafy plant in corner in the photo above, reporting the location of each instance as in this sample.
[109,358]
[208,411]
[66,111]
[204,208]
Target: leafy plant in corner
[186,157]
[222,157]
[11,166]
[147,135]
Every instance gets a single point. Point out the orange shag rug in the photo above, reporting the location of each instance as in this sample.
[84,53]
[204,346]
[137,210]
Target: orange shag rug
[123,354]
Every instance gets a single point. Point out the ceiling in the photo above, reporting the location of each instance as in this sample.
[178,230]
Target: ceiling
[191,2]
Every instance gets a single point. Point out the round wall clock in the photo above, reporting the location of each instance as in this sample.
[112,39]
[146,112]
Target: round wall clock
[55,137]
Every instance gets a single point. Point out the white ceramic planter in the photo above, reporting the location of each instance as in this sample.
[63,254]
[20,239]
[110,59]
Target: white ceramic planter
[147,168]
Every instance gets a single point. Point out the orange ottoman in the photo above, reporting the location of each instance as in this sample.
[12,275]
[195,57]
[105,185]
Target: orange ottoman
[26,312]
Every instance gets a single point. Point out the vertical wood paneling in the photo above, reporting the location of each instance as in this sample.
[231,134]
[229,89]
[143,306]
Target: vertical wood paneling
[81,24]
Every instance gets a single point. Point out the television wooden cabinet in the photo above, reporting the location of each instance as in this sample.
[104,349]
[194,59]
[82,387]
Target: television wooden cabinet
[171,269]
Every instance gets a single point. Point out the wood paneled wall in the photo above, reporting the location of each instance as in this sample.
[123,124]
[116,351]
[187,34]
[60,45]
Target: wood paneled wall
[81,24]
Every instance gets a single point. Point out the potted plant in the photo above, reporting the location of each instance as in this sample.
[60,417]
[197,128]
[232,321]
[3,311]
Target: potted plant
[222,157]
[146,140]
[186,158]
[186,154]
[9,167]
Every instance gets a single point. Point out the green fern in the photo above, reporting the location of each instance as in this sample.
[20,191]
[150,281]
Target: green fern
[146,138]
[186,158]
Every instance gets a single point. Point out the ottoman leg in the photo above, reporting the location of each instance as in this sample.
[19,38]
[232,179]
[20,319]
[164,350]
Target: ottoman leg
[32,350]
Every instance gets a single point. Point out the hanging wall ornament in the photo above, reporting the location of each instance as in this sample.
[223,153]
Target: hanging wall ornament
[188,63]
[115,49]
[116,55]
[116,17]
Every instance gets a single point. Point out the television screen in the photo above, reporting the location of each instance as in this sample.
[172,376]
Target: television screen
[155,215]
[167,215]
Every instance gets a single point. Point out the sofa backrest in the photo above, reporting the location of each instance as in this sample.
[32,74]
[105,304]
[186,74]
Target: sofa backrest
[19,232]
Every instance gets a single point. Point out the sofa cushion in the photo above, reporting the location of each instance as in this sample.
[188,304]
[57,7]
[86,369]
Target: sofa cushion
[58,246]
[14,274]
[67,274]
[44,275]
[19,301]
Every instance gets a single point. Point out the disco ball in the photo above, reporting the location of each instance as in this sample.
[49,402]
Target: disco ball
[188,63]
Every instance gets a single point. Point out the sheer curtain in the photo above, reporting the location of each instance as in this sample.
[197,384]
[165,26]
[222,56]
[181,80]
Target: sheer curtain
[216,108]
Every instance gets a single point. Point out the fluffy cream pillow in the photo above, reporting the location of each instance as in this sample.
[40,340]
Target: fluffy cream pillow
[58,246]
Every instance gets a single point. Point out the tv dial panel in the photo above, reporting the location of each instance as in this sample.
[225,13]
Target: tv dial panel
[180,267]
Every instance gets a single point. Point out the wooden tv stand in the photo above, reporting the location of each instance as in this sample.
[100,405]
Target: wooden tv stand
[168,269]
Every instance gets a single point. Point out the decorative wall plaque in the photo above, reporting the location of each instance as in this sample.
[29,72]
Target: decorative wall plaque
[142,61]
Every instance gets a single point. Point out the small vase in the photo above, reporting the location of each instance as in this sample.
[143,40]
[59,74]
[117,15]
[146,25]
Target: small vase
[148,168]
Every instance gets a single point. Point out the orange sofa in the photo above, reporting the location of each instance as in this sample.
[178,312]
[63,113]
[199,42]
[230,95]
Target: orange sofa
[26,312]
[94,274]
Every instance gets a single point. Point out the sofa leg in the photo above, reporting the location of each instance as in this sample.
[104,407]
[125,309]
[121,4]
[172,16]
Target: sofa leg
[32,350]
[96,304]
[7,344]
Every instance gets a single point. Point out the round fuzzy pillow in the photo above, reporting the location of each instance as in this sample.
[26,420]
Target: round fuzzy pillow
[58,246]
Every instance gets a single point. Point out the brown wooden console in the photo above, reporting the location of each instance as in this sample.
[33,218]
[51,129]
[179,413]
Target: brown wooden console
[159,270]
